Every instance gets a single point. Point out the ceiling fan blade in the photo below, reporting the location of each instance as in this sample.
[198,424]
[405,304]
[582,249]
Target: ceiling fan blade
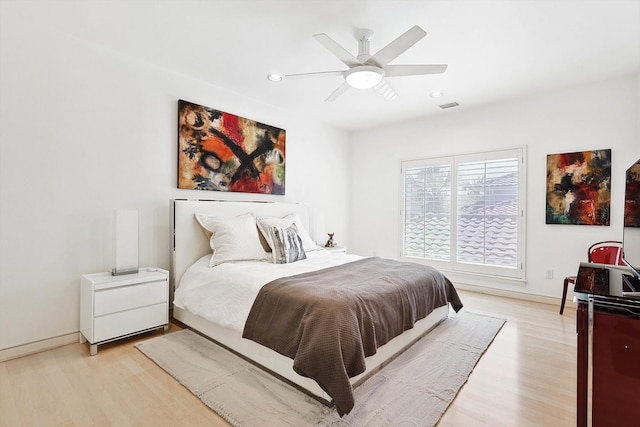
[315,74]
[413,70]
[385,90]
[333,47]
[336,93]
[399,45]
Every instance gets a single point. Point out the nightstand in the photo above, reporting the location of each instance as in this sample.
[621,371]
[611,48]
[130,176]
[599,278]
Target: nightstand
[337,249]
[114,307]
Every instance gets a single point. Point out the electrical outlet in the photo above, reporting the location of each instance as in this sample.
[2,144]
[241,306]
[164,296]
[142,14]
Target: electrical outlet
[548,274]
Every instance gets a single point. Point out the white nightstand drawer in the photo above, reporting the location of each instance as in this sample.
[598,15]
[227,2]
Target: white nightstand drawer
[124,322]
[123,298]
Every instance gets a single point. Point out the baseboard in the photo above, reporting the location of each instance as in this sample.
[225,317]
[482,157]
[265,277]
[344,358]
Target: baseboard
[509,294]
[38,346]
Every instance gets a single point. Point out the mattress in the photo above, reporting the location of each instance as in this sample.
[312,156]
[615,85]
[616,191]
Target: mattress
[224,294]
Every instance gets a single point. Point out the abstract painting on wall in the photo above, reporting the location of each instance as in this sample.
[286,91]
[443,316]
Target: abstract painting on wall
[632,196]
[219,151]
[579,188]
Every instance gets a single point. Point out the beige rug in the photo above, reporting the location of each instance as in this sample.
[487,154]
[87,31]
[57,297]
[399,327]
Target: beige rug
[415,389]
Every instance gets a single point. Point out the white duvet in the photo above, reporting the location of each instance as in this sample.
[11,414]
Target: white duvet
[224,294]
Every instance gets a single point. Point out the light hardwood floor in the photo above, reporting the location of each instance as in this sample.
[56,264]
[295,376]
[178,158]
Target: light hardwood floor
[527,377]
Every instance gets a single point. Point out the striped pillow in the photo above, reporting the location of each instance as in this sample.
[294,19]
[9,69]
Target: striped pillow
[287,245]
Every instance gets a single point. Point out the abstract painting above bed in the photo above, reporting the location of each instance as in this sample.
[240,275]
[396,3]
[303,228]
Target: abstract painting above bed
[220,151]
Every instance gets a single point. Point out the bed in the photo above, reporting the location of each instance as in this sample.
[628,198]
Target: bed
[232,293]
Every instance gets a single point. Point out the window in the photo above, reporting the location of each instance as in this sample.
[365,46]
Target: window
[465,213]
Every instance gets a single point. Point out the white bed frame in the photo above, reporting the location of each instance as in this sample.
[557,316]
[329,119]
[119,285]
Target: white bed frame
[189,243]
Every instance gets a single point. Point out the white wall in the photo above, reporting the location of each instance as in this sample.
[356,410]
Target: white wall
[597,116]
[84,131]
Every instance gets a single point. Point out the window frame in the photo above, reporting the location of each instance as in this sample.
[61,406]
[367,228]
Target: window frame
[517,273]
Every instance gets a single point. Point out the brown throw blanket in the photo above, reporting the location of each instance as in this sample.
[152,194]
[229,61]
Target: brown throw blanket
[329,320]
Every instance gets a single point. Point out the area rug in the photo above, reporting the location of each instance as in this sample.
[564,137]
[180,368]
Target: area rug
[414,389]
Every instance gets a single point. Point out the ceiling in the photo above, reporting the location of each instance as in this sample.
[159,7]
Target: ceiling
[496,50]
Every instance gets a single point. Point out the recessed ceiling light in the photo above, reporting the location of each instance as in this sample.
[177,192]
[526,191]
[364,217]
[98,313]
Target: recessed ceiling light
[436,94]
[274,77]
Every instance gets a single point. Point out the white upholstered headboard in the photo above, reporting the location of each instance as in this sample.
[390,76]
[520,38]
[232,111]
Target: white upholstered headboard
[188,241]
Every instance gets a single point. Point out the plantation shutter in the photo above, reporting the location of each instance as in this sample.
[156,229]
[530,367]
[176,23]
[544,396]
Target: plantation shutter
[464,212]
[427,231]
[487,216]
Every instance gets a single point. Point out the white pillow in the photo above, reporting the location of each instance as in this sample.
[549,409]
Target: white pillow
[268,221]
[287,245]
[232,238]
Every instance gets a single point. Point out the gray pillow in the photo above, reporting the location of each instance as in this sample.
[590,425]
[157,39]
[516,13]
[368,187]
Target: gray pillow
[287,244]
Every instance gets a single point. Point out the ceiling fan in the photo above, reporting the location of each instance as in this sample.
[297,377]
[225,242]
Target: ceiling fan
[368,71]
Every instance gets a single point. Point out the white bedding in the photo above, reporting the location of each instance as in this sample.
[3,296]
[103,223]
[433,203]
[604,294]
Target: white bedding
[224,294]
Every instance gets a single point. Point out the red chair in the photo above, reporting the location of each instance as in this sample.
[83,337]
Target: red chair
[608,252]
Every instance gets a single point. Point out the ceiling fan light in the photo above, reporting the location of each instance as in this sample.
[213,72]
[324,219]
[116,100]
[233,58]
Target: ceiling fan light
[364,77]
